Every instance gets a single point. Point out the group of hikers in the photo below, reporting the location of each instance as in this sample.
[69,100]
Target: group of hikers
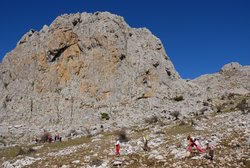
[192,142]
[47,137]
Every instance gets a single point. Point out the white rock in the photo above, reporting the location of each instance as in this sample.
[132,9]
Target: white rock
[20,163]
[76,161]
[159,157]
[117,163]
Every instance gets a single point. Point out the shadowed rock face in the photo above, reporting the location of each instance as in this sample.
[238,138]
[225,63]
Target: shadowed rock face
[81,65]
[84,65]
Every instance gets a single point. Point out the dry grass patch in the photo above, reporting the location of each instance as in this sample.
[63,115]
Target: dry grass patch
[9,152]
[179,129]
[64,144]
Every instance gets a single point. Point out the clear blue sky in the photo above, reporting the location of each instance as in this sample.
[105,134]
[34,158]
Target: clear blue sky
[199,36]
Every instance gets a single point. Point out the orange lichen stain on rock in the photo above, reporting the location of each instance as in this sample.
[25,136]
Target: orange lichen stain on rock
[111,60]
[153,77]
[97,54]
[63,73]
[61,38]
[104,95]
[149,93]
[71,52]
[41,61]
[26,61]
[105,41]
[107,66]
[39,86]
[89,88]
[98,38]
[93,90]
[69,64]
[80,69]
[83,87]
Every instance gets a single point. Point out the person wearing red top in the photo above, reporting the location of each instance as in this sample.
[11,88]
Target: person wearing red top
[191,144]
[117,147]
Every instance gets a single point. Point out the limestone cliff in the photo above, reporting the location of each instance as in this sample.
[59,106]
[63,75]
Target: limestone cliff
[82,65]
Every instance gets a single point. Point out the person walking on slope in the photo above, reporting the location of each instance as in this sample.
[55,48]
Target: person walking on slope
[191,144]
[117,147]
[210,149]
[145,141]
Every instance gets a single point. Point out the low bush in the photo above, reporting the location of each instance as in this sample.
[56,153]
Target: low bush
[105,116]
[96,162]
[122,135]
[152,119]
[243,106]
[178,98]
[218,108]
[23,151]
[175,114]
[5,85]
[45,137]
[182,122]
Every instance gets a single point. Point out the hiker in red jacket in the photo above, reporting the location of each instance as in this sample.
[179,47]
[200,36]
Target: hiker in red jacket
[117,147]
[191,144]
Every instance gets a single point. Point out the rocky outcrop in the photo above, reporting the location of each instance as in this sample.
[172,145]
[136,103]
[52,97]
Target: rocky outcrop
[228,133]
[64,76]
[233,78]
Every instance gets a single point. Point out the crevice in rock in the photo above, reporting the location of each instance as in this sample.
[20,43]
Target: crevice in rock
[145,80]
[31,108]
[76,21]
[168,72]
[122,57]
[8,99]
[142,97]
[53,55]
[156,64]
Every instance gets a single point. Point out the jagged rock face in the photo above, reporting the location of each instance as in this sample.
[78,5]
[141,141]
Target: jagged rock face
[231,79]
[80,66]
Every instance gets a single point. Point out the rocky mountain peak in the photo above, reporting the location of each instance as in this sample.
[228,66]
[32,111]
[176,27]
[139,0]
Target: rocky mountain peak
[82,65]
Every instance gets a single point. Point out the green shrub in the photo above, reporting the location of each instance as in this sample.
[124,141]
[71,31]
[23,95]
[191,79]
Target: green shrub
[218,108]
[96,162]
[5,85]
[21,151]
[122,135]
[243,106]
[151,120]
[58,90]
[175,114]
[178,98]
[105,116]
[24,151]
